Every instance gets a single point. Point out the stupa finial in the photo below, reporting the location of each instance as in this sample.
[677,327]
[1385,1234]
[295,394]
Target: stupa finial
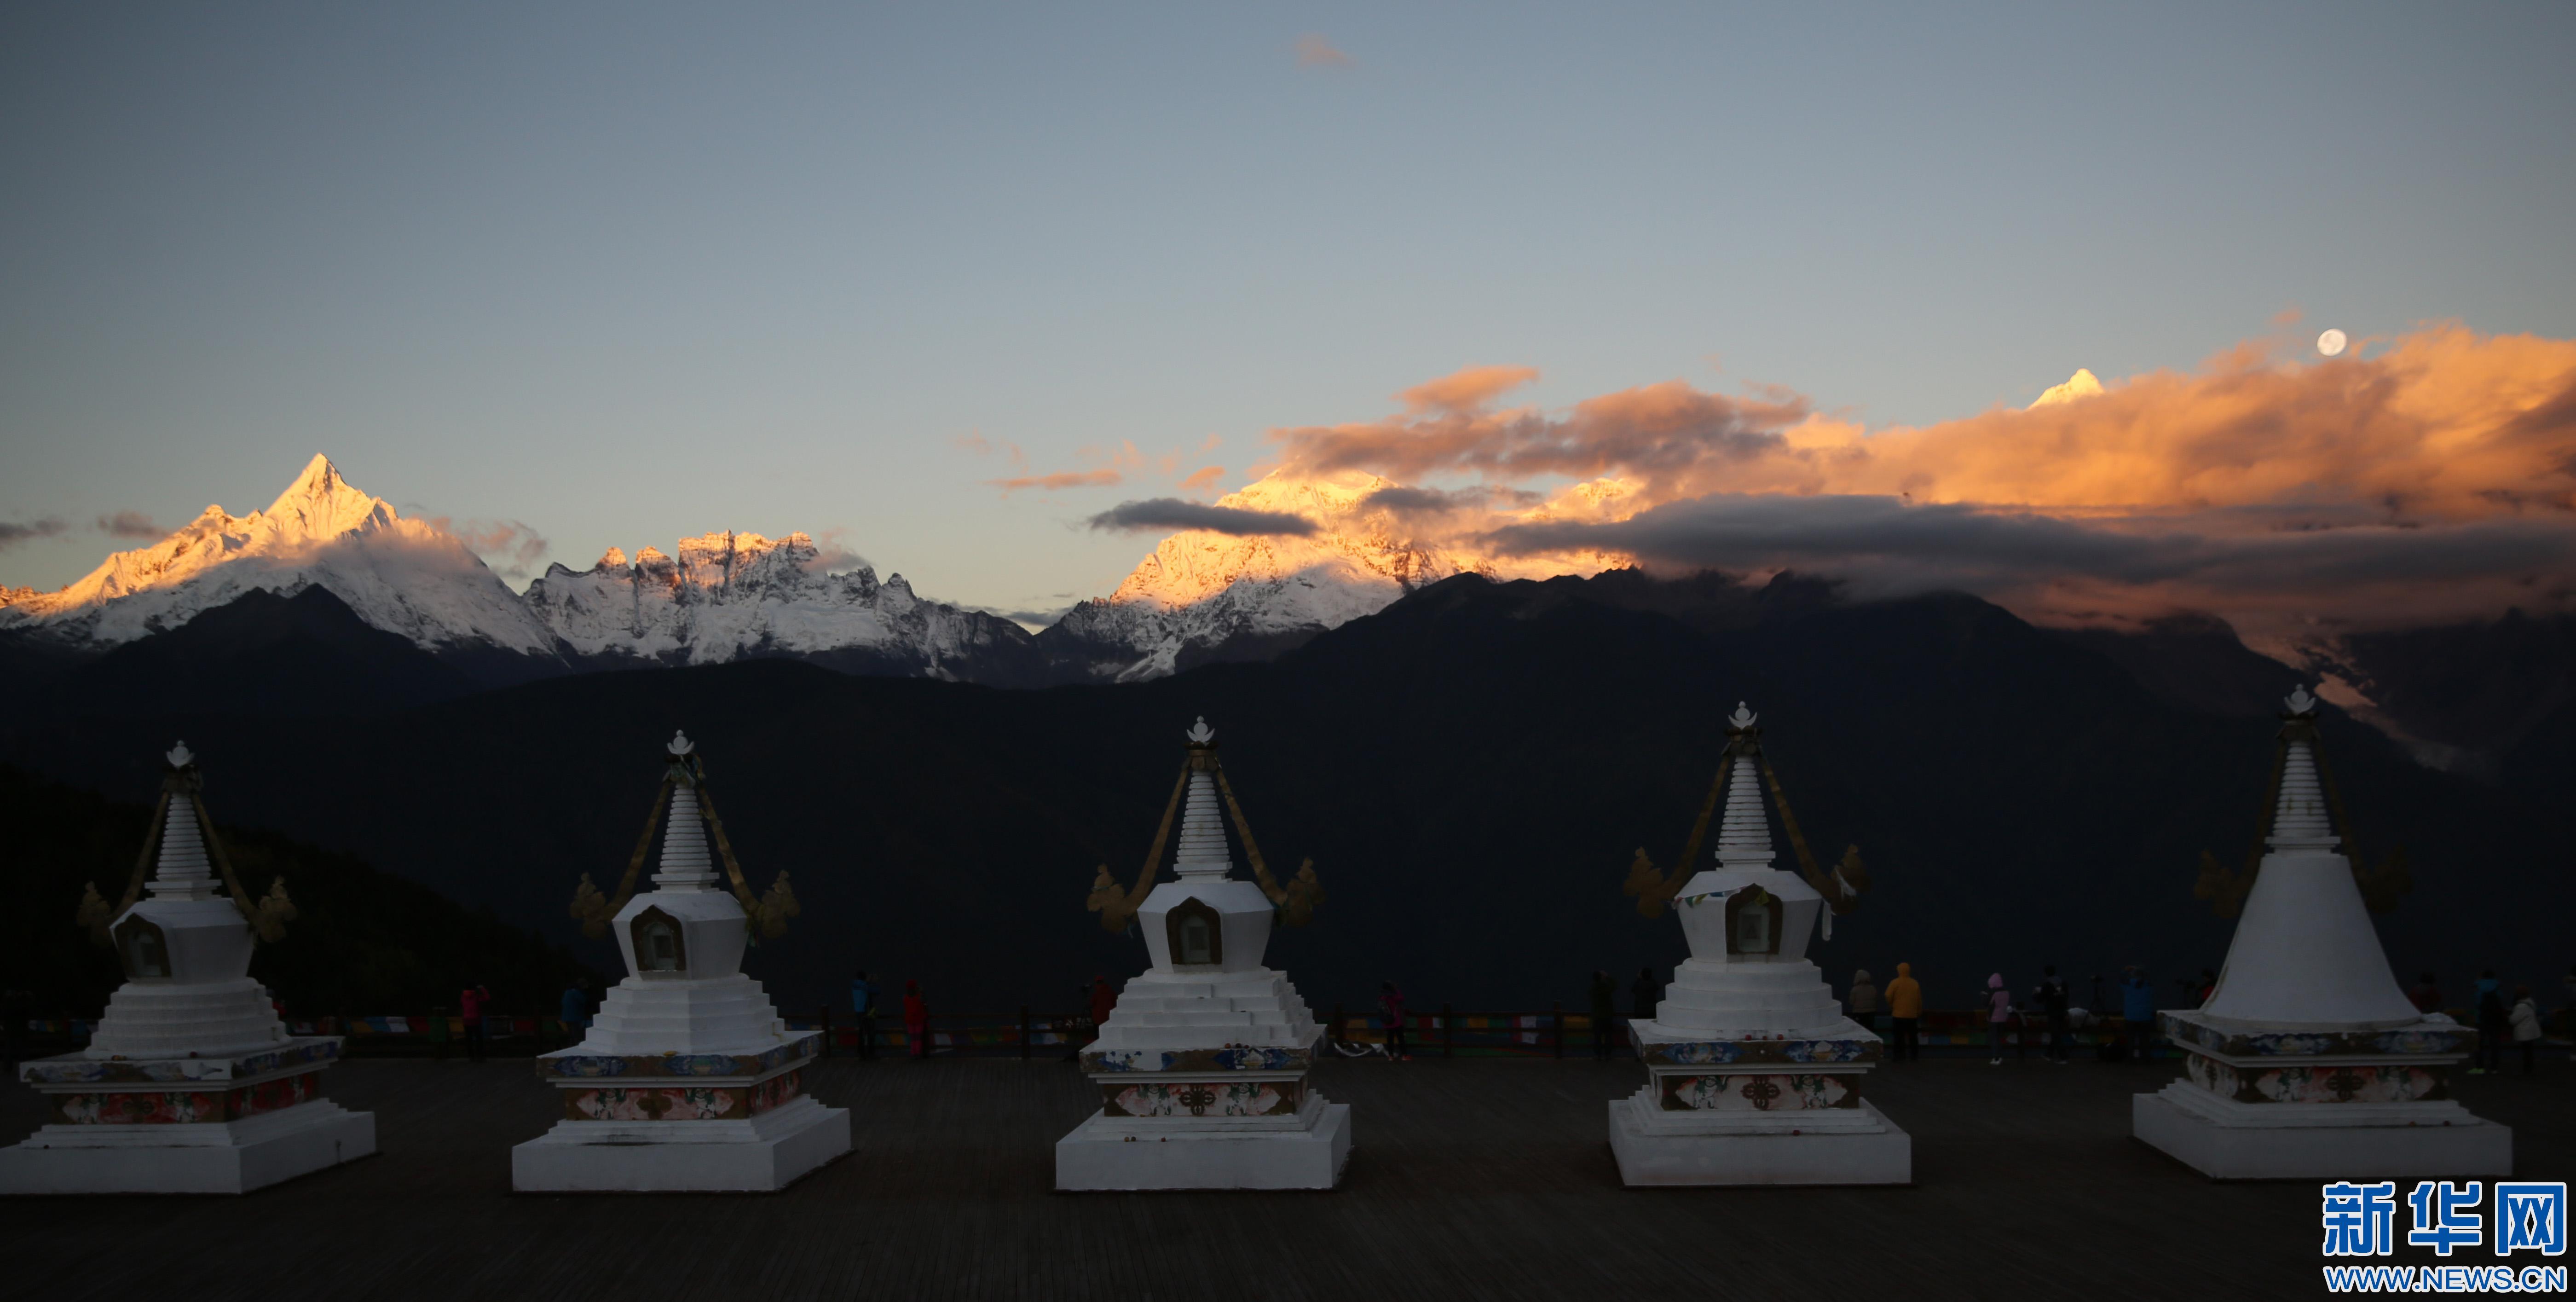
[680,745]
[180,756]
[1742,718]
[1200,734]
[2300,702]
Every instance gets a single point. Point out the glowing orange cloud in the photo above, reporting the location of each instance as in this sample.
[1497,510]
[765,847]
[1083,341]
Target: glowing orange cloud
[1059,479]
[2445,425]
[1125,459]
[2435,478]
[1313,51]
[1203,477]
[1466,390]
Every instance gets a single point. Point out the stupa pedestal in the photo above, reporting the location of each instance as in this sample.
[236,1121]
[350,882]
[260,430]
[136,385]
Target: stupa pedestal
[191,1084]
[2308,1062]
[687,1079]
[1202,1067]
[1753,1072]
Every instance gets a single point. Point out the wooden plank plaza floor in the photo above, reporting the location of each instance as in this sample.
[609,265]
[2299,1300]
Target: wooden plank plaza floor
[1471,1179]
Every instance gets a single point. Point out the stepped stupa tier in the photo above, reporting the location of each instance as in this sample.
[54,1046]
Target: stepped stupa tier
[1202,1068]
[1753,1073]
[687,1079]
[2308,1062]
[191,1084]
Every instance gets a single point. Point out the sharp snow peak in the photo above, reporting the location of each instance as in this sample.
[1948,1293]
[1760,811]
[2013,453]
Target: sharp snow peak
[2082,384]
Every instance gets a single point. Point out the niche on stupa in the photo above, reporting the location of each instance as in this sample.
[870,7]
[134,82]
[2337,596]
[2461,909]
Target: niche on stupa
[142,948]
[661,944]
[1196,933]
[1753,922]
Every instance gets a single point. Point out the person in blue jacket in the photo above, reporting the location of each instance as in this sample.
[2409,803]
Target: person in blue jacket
[575,1008]
[863,1010]
[2138,1010]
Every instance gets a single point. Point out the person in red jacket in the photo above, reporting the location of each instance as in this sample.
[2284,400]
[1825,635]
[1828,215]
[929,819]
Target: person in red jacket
[1999,1010]
[916,1020]
[471,1002]
[1104,1001]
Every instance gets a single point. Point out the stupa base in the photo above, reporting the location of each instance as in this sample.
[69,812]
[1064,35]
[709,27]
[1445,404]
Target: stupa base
[1860,1146]
[2226,1140]
[762,1155]
[213,1157]
[1102,1154]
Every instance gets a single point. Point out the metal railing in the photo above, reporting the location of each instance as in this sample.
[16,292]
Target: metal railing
[1554,1033]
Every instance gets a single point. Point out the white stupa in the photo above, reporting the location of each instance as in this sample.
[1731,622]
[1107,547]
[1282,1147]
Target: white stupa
[2308,1061]
[688,1079]
[1202,1068]
[1754,1073]
[190,1084]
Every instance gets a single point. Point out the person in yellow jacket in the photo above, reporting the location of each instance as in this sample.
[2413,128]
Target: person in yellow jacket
[1904,1013]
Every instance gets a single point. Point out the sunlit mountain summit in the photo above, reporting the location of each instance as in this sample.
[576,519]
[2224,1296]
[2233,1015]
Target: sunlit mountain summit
[404,576]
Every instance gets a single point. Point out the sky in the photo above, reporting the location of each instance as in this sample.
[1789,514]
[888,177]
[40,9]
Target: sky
[587,276]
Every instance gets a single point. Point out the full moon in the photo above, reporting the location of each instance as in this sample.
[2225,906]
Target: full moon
[2331,342]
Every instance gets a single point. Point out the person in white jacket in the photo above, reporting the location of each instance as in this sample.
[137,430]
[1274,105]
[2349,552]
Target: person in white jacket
[2526,1025]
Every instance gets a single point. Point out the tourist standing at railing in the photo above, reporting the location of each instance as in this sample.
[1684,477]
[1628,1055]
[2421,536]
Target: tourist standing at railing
[2138,1013]
[1864,999]
[1104,1001]
[1605,1014]
[1905,1013]
[14,1007]
[471,1005]
[2426,996]
[1096,1002]
[575,1008]
[1390,1003]
[863,1013]
[2053,1001]
[2526,1025]
[1642,998]
[1999,1009]
[2494,1025]
[916,1019]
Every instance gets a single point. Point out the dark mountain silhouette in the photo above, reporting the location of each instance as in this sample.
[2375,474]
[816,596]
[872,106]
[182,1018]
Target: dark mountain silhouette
[2195,662]
[366,941]
[1471,770]
[263,654]
[2477,691]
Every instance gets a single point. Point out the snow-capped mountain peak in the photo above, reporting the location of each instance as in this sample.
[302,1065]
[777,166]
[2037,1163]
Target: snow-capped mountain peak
[406,576]
[320,505]
[1201,590]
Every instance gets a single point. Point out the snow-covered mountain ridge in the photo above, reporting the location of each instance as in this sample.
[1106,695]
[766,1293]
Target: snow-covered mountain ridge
[404,576]
[723,596]
[727,595]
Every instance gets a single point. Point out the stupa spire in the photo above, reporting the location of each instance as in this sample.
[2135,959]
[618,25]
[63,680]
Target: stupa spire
[182,870]
[1202,850]
[685,863]
[1744,836]
[2300,820]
